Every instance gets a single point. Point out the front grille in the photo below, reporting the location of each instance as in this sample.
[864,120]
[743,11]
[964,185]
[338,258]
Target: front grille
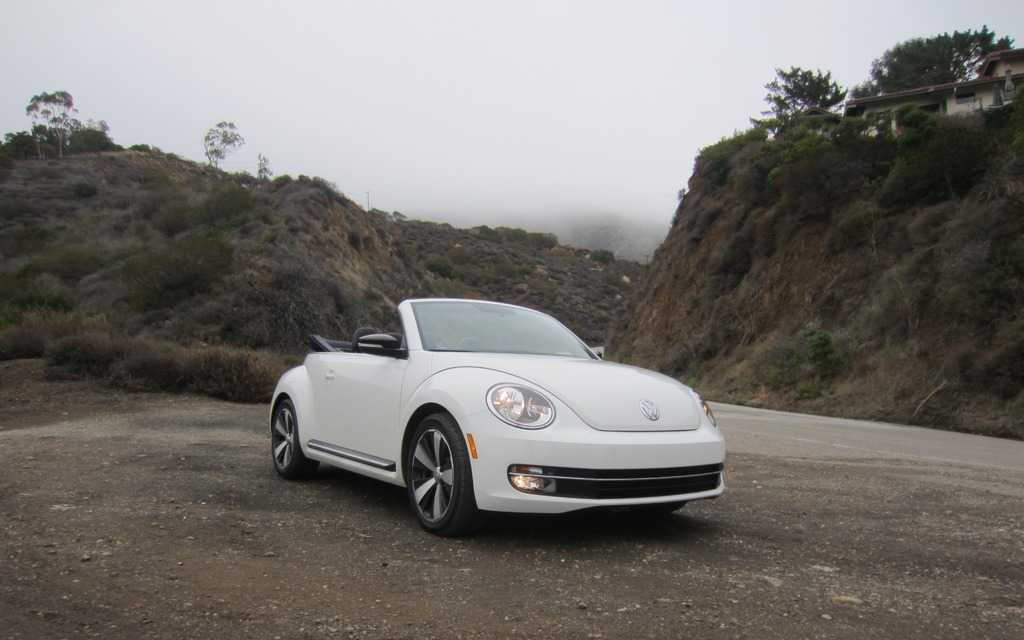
[613,484]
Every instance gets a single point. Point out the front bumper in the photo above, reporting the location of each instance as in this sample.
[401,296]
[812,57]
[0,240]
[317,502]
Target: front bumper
[592,468]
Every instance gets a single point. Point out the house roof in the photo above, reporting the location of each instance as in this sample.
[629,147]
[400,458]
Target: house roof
[1000,56]
[950,87]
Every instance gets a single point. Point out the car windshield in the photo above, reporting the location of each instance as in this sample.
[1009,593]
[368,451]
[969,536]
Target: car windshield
[492,328]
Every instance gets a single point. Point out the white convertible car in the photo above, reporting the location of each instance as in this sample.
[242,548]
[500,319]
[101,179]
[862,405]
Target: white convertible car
[479,406]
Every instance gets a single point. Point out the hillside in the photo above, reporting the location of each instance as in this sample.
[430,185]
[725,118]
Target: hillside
[849,271]
[144,245]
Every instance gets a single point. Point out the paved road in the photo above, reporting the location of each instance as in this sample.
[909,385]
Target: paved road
[805,436]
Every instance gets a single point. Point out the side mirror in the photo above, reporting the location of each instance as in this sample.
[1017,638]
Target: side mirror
[383,344]
[599,351]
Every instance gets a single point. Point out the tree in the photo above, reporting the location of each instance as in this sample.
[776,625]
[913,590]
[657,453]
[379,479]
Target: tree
[19,145]
[91,137]
[263,171]
[924,62]
[794,91]
[53,112]
[220,141]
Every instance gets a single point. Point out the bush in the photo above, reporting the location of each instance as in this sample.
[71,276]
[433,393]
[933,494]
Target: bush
[603,256]
[828,362]
[225,205]
[184,268]
[93,353]
[151,366]
[714,162]
[22,341]
[440,267]
[19,296]
[84,189]
[233,374]
[947,164]
[67,263]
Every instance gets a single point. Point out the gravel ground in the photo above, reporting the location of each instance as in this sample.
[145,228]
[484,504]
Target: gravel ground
[154,516]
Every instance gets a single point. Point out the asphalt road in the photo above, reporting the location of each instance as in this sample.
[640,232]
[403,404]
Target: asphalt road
[792,434]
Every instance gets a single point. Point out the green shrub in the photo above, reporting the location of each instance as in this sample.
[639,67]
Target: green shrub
[441,267]
[947,165]
[603,256]
[714,162]
[174,219]
[225,205]
[20,296]
[355,240]
[84,189]
[66,263]
[463,256]
[233,374]
[182,269]
[14,208]
[827,360]
[154,178]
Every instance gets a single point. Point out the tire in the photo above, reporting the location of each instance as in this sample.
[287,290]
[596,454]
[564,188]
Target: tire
[439,478]
[289,461]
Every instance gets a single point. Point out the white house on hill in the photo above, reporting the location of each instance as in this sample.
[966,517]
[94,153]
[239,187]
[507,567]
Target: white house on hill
[995,86]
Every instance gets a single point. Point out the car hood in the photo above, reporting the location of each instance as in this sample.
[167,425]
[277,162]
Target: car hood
[605,395]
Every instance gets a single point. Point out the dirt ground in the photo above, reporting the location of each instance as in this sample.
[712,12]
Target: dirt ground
[160,516]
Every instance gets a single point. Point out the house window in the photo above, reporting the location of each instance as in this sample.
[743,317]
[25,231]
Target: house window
[964,98]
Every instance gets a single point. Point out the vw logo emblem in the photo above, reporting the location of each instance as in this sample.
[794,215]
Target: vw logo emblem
[650,410]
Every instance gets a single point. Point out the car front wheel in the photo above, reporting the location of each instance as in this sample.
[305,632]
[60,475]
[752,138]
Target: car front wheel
[439,478]
[289,461]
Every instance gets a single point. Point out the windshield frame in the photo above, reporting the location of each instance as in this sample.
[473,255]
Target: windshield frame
[474,326]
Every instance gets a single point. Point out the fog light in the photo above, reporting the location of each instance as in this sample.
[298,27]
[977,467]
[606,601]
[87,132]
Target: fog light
[530,480]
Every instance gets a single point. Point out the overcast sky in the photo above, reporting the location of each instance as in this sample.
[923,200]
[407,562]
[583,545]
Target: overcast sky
[473,111]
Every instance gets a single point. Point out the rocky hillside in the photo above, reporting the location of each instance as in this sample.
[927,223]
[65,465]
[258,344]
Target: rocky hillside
[149,244]
[849,271]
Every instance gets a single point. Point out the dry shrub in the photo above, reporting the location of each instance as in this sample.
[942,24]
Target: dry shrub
[233,374]
[151,366]
[23,341]
[36,330]
[93,353]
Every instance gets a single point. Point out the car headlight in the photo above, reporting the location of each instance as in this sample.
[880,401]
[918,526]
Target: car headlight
[704,407]
[520,406]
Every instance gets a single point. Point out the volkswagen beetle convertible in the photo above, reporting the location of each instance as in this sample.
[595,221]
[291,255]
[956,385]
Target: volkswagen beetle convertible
[480,406]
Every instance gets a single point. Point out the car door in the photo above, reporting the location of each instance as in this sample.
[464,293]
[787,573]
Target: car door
[357,398]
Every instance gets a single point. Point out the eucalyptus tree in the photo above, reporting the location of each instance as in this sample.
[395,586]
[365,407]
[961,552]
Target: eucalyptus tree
[51,114]
[221,140]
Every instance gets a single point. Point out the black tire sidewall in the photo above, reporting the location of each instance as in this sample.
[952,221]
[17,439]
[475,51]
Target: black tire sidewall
[462,514]
[298,466]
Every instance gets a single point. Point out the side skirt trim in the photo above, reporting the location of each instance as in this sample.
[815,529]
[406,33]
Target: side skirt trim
[354,456]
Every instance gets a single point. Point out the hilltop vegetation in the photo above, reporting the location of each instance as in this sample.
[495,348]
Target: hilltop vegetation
[844,269]
[157,272]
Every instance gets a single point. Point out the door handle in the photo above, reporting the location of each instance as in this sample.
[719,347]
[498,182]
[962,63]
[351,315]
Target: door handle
[330,374]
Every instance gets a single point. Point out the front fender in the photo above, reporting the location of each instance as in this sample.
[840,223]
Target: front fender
[461,391]
[294,384]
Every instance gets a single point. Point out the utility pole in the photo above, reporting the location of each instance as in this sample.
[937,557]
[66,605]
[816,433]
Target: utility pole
[367,202]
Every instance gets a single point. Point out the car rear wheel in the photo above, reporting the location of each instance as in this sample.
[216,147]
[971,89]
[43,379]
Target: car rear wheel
[439,478]
[289,461]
